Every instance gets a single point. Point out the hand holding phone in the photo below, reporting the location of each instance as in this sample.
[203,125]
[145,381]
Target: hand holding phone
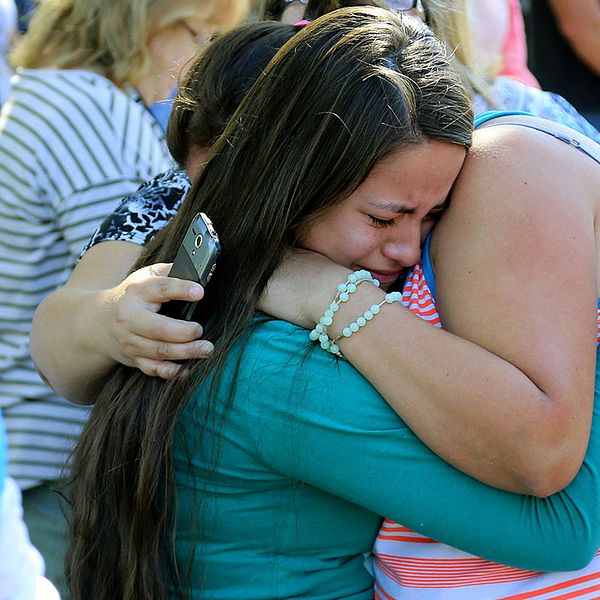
[196,260]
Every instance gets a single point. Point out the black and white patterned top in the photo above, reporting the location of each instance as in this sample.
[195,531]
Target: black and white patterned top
[146,211]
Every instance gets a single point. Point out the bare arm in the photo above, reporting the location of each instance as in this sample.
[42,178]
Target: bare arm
[103,317]
[510,404]
[579,22]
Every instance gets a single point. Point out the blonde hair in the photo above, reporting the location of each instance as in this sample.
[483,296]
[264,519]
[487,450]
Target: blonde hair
[111,37]
[452,24]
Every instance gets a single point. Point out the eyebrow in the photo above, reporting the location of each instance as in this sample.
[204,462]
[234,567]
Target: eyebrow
[394,207]
[399,209]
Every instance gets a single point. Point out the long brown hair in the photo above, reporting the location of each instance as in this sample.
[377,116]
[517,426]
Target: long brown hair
[340,95]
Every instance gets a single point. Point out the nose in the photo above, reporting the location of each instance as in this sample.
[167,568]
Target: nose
[405,247]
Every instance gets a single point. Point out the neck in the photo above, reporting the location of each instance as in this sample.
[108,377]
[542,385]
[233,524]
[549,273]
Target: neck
[154,88]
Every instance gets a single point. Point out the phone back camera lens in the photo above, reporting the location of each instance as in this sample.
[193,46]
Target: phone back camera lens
[198,241]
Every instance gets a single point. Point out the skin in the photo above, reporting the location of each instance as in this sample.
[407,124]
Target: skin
[171,49]
[293,13]
[509,403]
[390,213]
[579,22]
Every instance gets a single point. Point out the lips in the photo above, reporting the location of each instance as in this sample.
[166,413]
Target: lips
[384,277]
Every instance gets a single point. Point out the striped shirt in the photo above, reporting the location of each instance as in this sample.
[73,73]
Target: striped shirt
[71,146]
[411,566]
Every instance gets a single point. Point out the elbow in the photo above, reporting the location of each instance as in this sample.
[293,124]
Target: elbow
[556,444]
[550,469]
[546,482]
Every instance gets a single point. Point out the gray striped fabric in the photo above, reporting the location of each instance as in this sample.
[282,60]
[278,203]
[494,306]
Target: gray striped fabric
[71,146]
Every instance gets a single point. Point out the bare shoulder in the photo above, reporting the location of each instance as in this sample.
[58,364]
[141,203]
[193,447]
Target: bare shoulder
[520,169]
[523,198]
[523,145]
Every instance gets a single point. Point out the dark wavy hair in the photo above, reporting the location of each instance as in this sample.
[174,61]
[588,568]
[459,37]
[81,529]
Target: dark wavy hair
[342,94]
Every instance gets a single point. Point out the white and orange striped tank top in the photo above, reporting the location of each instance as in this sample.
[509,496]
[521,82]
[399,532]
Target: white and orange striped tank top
[410,566]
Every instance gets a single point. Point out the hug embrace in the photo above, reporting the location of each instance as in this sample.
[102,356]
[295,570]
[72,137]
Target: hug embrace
[265,470]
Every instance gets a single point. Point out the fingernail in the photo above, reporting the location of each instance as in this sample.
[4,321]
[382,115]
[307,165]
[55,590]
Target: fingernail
[205,348]
[196,291]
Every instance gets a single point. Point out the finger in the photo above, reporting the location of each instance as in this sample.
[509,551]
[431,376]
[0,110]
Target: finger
[139,348]
[162,289]
[161,328]
[159,368]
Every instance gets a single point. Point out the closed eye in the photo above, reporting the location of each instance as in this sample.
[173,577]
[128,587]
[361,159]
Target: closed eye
[381,222]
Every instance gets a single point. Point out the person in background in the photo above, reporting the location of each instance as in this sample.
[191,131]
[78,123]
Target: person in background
[499,35]
[565,51]
[21,565]
[452,21]
[75,137]
[8,31]
[514,50]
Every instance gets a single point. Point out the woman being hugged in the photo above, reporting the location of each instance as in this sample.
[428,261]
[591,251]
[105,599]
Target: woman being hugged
[263,471]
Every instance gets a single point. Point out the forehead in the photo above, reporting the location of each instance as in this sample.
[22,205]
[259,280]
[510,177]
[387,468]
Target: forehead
[418,176]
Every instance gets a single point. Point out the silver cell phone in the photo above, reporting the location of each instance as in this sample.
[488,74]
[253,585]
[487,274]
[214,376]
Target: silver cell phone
[196,260]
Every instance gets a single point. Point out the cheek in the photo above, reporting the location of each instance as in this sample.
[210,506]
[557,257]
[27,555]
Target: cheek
[346,246]
[171,51]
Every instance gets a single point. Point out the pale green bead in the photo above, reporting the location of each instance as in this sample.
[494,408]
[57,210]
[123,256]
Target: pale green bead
[323,338]
[325,345]
[353,277]
[341,287]
[397,296]
[328,313]
[319,327]
[375,309]
[389,298]
[354,327]
[351,288]
[327,321]
[334,307]
[368,315]
[347,332]
[344,297]
[375,282]
[314,335]
[334,349]
[361,321]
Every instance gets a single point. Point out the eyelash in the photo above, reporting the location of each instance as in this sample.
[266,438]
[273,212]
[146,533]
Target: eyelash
[381,222]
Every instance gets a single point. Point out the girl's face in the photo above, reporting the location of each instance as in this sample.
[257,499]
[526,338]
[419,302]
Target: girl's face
[382,224]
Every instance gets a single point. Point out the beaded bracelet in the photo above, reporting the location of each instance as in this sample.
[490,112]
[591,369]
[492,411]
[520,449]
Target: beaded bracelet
[367,316]
[319,333]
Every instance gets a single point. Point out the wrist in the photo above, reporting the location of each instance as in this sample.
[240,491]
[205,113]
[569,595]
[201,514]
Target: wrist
[325,291]
[96,322]
[366,295]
